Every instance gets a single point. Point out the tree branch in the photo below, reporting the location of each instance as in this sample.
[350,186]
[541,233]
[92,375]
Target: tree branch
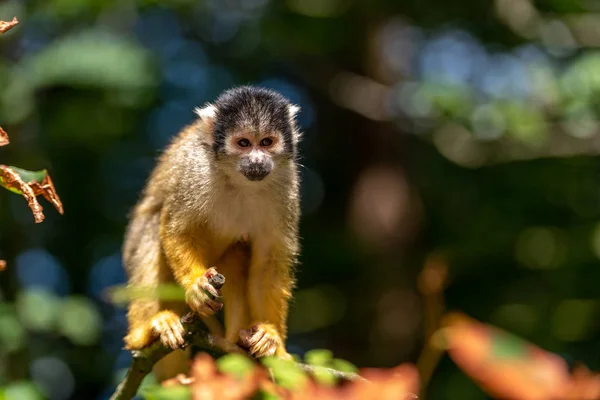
[144,359]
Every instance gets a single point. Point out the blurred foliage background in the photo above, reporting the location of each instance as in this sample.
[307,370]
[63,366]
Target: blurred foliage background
[464,128]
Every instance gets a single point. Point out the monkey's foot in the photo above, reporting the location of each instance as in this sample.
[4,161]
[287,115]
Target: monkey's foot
[202,296]
[263,340]
[167,326]
[138,338]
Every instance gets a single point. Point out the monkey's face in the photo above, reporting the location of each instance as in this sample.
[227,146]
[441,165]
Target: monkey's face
[255,155]
[254,133]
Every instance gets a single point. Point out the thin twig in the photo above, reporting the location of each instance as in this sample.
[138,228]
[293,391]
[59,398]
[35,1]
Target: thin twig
[432,282]
[344,376]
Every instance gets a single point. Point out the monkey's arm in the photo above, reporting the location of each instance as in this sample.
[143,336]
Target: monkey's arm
[186,253]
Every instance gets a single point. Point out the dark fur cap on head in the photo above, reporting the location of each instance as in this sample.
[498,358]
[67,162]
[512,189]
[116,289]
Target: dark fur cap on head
[255,108]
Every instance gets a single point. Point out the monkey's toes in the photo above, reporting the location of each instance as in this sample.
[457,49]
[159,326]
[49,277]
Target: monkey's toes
[169,329]
[261,340]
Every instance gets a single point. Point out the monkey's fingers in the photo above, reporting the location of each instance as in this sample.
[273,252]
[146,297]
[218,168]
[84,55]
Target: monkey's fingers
[201,300]
[210,290]
[213,306]
[210,272]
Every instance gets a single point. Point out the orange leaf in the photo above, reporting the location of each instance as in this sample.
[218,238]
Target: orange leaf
[401,382]
[3,137]
[5,26]
[583,385]
[2,265]
[505,366]
[208,383]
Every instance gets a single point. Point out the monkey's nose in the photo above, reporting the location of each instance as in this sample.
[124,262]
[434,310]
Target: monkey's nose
[255,171]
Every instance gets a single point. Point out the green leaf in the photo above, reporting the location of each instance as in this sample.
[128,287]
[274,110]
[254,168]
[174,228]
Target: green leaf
[166,393]
[260,395]
[235,364]
[343,365]
[508,346]
[103,61]
[319,357]
[324,377]
[12,333]
[27,176]
[286,373]
[123,294]
[22,390]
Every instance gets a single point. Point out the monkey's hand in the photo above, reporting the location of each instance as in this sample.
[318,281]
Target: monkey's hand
[263,340]
[204,295]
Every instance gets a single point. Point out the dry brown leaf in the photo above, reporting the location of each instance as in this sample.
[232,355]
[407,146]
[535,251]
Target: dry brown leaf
[13,180]
[46,189]
[3,137]
[5,26]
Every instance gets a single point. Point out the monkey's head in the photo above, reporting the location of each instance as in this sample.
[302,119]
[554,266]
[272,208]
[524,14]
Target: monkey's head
[254,133]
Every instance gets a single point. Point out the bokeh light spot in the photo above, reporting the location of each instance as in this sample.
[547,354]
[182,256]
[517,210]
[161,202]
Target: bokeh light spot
[80,321]
[327,305]
[38,309]
[38,268]
[520,318]
[541,248]
[54,377]
[573,320]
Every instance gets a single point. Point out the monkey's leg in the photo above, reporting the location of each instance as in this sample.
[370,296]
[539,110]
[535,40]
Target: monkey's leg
[187,256]
[234,265]
[146,269]
[269,291]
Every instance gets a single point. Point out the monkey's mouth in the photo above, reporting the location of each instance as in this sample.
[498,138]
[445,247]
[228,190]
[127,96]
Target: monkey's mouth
[256,175]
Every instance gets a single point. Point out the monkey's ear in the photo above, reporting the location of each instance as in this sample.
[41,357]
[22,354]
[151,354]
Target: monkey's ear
[296,134]
[206,113]
[293,110]
[207,116]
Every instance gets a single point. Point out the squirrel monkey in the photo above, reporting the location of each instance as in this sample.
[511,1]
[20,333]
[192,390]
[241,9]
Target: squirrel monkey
[225,193]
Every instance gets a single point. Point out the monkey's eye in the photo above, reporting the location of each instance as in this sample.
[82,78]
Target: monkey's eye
[243,143]
[266,142]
